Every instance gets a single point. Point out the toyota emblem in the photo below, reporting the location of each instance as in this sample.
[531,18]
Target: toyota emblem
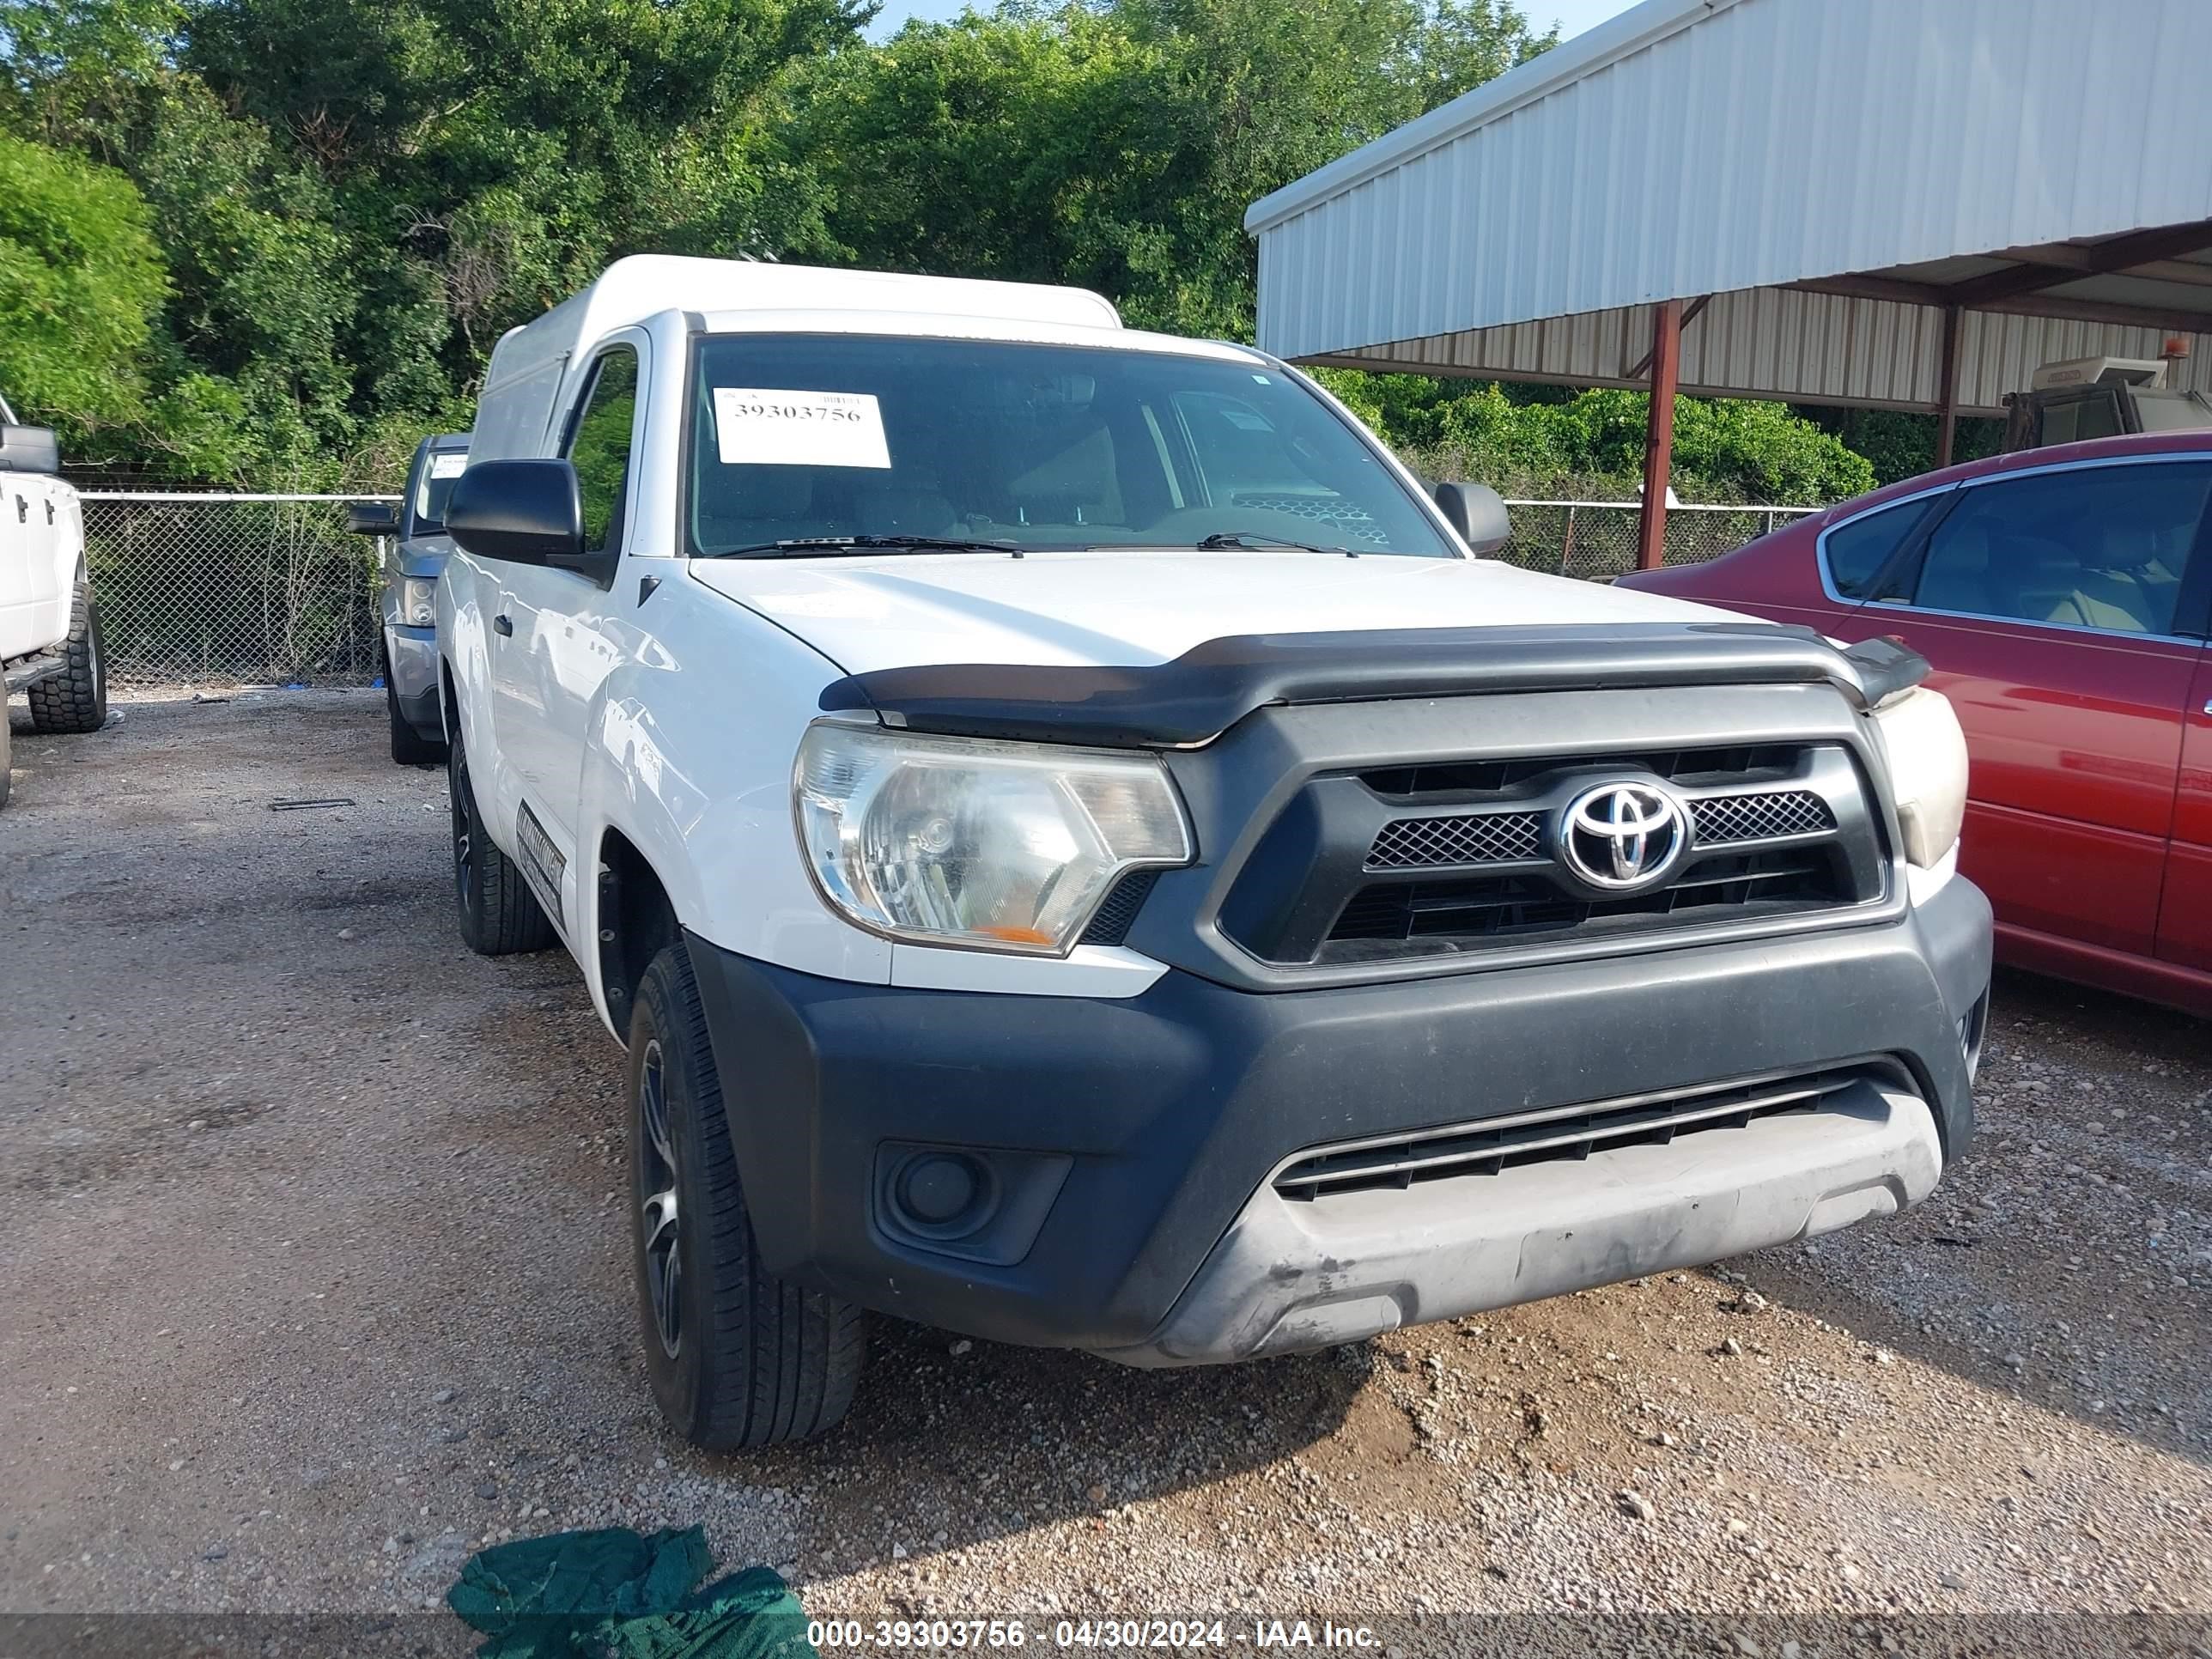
[1622,837]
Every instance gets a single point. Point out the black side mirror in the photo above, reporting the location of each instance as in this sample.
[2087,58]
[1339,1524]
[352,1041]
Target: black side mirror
[373,519]
[1478,513]
[29,449]
[524,512]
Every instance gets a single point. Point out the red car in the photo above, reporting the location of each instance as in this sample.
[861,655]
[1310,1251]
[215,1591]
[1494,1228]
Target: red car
[2063,596]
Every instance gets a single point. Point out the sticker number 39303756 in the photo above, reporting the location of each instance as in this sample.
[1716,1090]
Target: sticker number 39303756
[756,426]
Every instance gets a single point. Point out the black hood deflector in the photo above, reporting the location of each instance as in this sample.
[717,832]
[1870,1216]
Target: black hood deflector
[1210,687]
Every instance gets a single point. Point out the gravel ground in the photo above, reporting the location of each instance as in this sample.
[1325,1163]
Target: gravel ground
[314,1279]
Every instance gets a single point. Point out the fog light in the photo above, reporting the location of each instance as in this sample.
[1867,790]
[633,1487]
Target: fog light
[936,1197]
[980,1204]
[936,1188]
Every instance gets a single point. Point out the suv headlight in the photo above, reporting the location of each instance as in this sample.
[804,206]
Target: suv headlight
[993,846]
[1928,769]
[418,601]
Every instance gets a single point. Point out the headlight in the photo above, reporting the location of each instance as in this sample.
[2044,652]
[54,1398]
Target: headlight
[418,601]
[995,846]
[1927,769]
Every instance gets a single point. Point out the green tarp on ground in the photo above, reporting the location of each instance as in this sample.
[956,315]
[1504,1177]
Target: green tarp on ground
[617,1594]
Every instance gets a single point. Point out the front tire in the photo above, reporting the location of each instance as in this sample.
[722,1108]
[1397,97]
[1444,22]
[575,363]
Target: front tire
[75,700]
[737,1356]
[500,916]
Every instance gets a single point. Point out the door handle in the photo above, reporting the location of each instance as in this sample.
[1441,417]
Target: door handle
[502,625]
[50,512]
[23,511]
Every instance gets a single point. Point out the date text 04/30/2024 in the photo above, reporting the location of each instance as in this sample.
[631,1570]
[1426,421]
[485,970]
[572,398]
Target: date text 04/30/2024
[832,1634]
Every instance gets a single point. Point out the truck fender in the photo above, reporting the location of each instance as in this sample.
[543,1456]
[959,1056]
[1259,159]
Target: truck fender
[699,782]
[632,785]
[467,680]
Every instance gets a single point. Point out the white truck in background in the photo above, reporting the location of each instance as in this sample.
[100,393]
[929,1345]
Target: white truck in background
[2084,397]
[49,621]
[1082,850]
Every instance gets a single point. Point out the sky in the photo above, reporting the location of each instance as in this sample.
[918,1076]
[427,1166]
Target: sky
[1573,16]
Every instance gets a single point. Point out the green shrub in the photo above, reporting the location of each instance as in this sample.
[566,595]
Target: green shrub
[1533,442]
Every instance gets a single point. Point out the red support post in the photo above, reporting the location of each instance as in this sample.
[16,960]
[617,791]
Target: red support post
[1659,435]
[1946,406]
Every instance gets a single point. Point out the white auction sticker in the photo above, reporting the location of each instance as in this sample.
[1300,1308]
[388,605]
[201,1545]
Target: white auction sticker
[754,427]
[448,466]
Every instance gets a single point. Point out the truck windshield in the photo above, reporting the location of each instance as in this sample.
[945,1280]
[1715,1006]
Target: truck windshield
[436,488]
[833,438]
[2172,411]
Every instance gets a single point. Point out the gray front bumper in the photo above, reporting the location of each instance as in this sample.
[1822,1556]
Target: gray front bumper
[1292,1275]
[411,659]
[1135,1138]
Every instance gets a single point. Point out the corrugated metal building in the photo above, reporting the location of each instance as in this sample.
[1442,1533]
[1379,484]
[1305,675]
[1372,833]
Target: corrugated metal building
[1895,204]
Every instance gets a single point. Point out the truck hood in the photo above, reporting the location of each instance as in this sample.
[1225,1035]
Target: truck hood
[422,556]
[1137,608]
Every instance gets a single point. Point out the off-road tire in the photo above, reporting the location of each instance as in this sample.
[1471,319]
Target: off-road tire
[756,1361]
[408,746]
[75,699]
[500,916]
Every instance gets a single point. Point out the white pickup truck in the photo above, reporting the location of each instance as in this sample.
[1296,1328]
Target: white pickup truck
[1081,850]
[49,625]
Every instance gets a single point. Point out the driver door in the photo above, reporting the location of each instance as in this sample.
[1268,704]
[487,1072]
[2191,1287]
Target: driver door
[553,639]
[16,559]
[35,596]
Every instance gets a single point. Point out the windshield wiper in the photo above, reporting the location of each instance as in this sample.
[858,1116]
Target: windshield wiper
[1256,539]
[802,547]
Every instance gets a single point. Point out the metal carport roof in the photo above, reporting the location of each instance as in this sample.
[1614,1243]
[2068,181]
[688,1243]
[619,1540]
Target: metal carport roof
[1839,195]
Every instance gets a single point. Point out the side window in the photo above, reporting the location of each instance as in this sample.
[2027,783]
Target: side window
[599,448]
[1856,552]
[2092,415]
[2094,547]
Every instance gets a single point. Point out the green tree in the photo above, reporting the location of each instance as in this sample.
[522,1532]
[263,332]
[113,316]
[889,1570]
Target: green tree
[347,203]
[1262,94]
[264,294]
[1760,451]
[484,158]
[1117,145]
[76,73]
[1535,441]
[355,201]
[81,283]
[1902,445]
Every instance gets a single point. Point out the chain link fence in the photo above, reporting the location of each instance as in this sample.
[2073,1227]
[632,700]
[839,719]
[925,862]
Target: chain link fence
[1596,540]
[221,590]
[200,591]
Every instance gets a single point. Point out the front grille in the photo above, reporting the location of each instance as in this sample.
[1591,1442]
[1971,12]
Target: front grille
[1773,815]
[1453,856]
[1383,919]
[1565,1133]
[1509,837]
[1483,838]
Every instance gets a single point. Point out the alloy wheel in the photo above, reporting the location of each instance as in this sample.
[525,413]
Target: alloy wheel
[663,1260]
[465,840]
